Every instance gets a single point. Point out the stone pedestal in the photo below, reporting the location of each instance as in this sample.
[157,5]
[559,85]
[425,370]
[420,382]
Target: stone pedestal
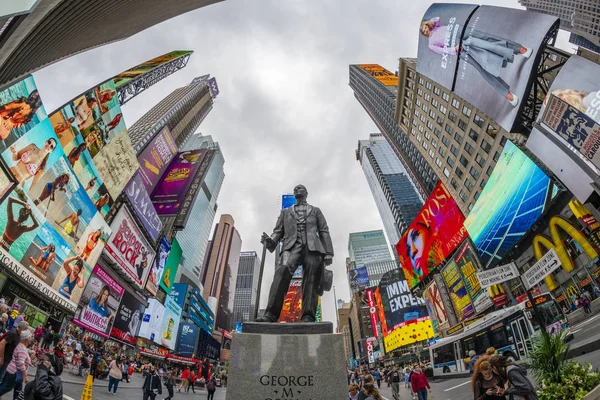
[287,362]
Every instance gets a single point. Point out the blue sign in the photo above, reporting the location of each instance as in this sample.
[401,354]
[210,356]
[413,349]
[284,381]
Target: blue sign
[196,319]
[287,200]
[178,292]
[238,327]
[359,277]
[186,340]
[204,312]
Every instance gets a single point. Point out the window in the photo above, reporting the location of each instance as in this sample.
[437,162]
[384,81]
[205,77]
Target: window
[427,97]
[463,197]
[448,129]
[455,103]
[447,172]
[466,111]
[454,150]
[450,161]
[428,85]
[443,109]
[438,162]
[459,172]
[479,160]
[468,185]
[445,96]
[432,114]
[420,92]
[436,90]
[478,121]
[491,130]
[446,141]
[425,107]
[458,138]
[418,102]
[434,143]
[473,135]
[431,153]
[425,145]
[503,141]
[476,196]
[463,160]
[421,81]
[482,183]
[442,151]
[490,170]
[474,173]
[486,146]
[435,103]
[497,156]
[452,116]
[469,149]
[429,124]
[454,183]
[440,121]
[437,132]
[462,125]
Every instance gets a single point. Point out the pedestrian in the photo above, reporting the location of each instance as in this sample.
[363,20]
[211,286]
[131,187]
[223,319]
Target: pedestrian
[84,363]
[377,376]
[353,391]
[485,383]
[395,379]
[473,357]
[519,386]
[407,372]
[152,385]
[369,392]
[16,370]
[211,388]
[597,291]
[9,344]
[170,383]
[419,383]
[115,374]
[47,385]
[192,380]
[185,375]
[490,351]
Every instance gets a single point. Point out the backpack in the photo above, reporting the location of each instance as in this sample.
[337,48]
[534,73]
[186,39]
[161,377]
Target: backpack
[210,386]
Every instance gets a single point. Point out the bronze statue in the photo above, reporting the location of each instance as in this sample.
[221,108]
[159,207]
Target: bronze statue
[306,242]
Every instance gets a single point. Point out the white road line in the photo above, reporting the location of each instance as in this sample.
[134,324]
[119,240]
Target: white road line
[457,386]
[575,331]
[585,322]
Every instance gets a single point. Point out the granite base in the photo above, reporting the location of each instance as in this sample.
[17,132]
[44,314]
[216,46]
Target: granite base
[287,367]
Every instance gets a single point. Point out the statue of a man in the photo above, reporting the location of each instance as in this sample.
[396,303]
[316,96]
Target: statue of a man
[306,242]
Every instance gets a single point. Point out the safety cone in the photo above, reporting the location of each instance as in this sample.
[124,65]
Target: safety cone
[87,389]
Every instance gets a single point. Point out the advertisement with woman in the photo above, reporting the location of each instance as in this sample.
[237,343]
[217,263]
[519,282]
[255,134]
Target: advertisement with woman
[128,319]
[99,303]
[158,266]
[170,323]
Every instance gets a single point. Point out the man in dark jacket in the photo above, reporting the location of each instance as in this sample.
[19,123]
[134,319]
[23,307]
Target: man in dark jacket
[152,385]
[46,386]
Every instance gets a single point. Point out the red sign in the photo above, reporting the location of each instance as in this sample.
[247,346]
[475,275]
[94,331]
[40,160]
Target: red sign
[500,300]
[436,232]
[535,292]
[372,311]
[292,304]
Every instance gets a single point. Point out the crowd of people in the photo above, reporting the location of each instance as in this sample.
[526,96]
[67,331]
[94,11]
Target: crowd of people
[362,386]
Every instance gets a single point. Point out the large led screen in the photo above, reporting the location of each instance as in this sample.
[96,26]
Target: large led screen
[515,196]
[151,326]
[436,307]
[468,263]
[141,69]
[435,233]
[170,323]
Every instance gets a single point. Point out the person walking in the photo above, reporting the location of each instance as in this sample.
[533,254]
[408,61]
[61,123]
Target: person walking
[170,383]
[185,375]
[485,383]
[519,386]
[192,380]
[377,377]
[369,392]
[9,344]
[419,383]
[125,371]
[152,385]
[407,372]
[395,379]
[115,374]
[353,391]
[84,363]
[16,371]
[47,384]
[211,388]
[473,359]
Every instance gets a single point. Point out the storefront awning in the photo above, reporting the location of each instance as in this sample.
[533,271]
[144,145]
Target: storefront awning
[152,354]
[182,360]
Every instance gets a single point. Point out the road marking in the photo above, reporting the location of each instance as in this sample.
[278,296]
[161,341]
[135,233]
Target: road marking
[587,321]
[575,331]
[457,386]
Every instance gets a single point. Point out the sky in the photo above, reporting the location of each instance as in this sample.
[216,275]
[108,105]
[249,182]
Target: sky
[285,114]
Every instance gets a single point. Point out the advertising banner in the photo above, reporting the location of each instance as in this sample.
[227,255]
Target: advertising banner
[387,78]
[151,326]
[171,266]
[397,302]
[440,32]
[435,306]
[187,339]
[176,181]
[129,249]
[91,130]
[156,157]
[292,303]
[287,200]
[143,207]
[99,303]
[434,234]
[359,277]
[141,69]
[497,60]
[158,266]
[467,260]
[214,88]
[372,310]
[416,330]
[515,196]
[128,319]
[170,323]
[461,300]
[179,292]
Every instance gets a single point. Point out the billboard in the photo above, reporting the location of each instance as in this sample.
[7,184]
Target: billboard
[129,249]
[143,207]
[171,266]
[435,306]
[128,319]
[141,69]
[440,32]
[514,197]
[387,78]
[287,200]
[179,293]
[417,330]
[187,339]
[170,192]
[91,130]
[151,326]
[458,292]
[214,88]
[468,264]
[496,61]
[358,277]
[158,266]
[170,323]
[99,303]
[435,233]
[292,303]
[156,157]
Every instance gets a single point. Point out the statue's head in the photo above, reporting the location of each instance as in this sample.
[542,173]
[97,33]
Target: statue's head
[300,192]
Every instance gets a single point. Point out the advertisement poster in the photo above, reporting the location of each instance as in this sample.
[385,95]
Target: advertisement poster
[128,248]
[155,159]
[459,296]
[92,132]
[6,183]
[436,232]
[417,330]
[359,277]
[128,319]
[170,323]
[292,303]
[175,183]
[195,185]
[440,32]
[171,266]
[497,60]
[387,78]
[143,207]
[467,261]
[515,196]
[214,88]
[179,293]
[435,305]
[187,339]
[158,266]
[99,303]
[151,326]
[287,200]
[141,69]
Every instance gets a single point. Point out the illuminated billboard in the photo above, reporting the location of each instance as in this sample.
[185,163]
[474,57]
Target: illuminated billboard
[435,233]
[459,296]
[468,264]
[171,266]
[292,303]
[151,327]
[127,320]
[156,157]
[417,330]
[141,69]
[170,323]
[514,197]
[384,76]
[287,200]
[359,277]
[435,307]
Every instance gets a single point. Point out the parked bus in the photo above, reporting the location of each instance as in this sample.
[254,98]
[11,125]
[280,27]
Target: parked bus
[509,330]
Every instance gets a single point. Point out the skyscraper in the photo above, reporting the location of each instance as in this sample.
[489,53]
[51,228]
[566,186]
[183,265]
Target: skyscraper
[583,42]
[56,29]
[244,302]
[366,247]
[194,237]
[396,198]
[220,274]
[378,98]
[581,17]
[182,111]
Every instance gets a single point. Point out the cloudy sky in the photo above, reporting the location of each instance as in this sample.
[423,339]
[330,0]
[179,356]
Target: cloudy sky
[285,115]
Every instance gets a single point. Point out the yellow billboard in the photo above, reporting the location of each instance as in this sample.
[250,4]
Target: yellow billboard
[381,74]
[414,331]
